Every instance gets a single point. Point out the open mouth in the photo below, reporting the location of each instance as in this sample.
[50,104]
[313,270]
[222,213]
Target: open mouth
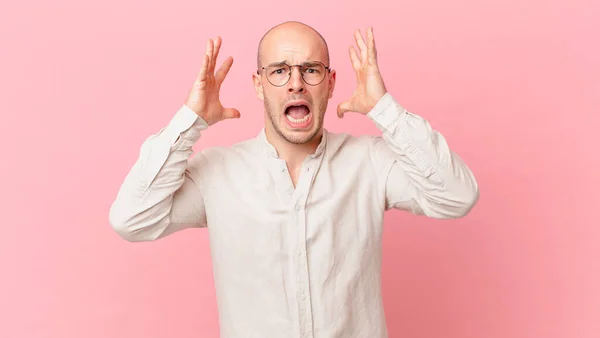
[298,115]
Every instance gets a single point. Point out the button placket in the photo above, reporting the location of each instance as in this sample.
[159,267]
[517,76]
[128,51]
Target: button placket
[303,291]
[299,201]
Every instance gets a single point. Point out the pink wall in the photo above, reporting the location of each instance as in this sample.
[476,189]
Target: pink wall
[513,85]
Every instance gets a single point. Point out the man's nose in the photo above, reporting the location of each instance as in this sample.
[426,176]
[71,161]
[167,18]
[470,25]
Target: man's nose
[296,83]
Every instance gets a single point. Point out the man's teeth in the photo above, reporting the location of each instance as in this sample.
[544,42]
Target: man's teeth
[293,120]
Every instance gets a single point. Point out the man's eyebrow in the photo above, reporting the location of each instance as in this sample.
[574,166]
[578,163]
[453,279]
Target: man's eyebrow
[280,63]
[311,63]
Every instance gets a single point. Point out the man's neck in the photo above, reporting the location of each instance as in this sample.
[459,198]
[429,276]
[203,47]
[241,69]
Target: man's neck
[293,154]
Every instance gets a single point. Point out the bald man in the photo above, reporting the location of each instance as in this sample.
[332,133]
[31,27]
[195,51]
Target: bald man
[294,215]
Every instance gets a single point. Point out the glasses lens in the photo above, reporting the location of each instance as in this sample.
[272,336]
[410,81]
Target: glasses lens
[313,72]
[278,75]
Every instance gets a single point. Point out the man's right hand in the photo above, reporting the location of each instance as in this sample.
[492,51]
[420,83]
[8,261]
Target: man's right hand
[203,98]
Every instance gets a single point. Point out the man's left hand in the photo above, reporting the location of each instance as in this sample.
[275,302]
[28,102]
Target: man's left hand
[370,86]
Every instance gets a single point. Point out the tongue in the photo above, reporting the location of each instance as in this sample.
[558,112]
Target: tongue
[297,112]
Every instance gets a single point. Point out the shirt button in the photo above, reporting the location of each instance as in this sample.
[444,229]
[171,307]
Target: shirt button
[297,207]
[307,169]
[303,297]
[282,169]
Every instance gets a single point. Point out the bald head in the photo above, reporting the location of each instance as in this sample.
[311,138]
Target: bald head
[290,30]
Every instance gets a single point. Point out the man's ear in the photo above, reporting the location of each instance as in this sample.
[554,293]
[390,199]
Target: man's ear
[332,76]
[258,86]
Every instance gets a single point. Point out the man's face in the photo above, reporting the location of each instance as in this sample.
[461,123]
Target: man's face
[296,109]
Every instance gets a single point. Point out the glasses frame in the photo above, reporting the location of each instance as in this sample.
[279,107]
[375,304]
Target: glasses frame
[291,67]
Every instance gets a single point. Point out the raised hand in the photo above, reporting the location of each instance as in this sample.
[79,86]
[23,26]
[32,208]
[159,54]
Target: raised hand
[370,87]
[203,98]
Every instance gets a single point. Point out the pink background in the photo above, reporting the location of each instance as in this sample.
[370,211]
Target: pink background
[513,85]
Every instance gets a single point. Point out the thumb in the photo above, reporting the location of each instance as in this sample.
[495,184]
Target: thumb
[343,108]
[231,113]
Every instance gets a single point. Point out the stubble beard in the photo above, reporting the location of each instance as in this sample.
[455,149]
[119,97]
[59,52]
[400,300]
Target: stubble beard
[320,108]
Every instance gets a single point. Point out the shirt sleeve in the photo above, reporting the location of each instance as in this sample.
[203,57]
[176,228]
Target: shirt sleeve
[419,172]
[161,193]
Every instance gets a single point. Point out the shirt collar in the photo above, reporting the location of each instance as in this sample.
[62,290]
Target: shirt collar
[270,150]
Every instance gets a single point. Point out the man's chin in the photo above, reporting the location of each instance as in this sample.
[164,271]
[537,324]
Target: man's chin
[292,133]
[300,136]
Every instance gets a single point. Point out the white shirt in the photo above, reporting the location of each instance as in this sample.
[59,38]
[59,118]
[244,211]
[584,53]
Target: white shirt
[294,262]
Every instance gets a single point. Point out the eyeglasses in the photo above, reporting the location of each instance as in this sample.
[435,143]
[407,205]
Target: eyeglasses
[279,73]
